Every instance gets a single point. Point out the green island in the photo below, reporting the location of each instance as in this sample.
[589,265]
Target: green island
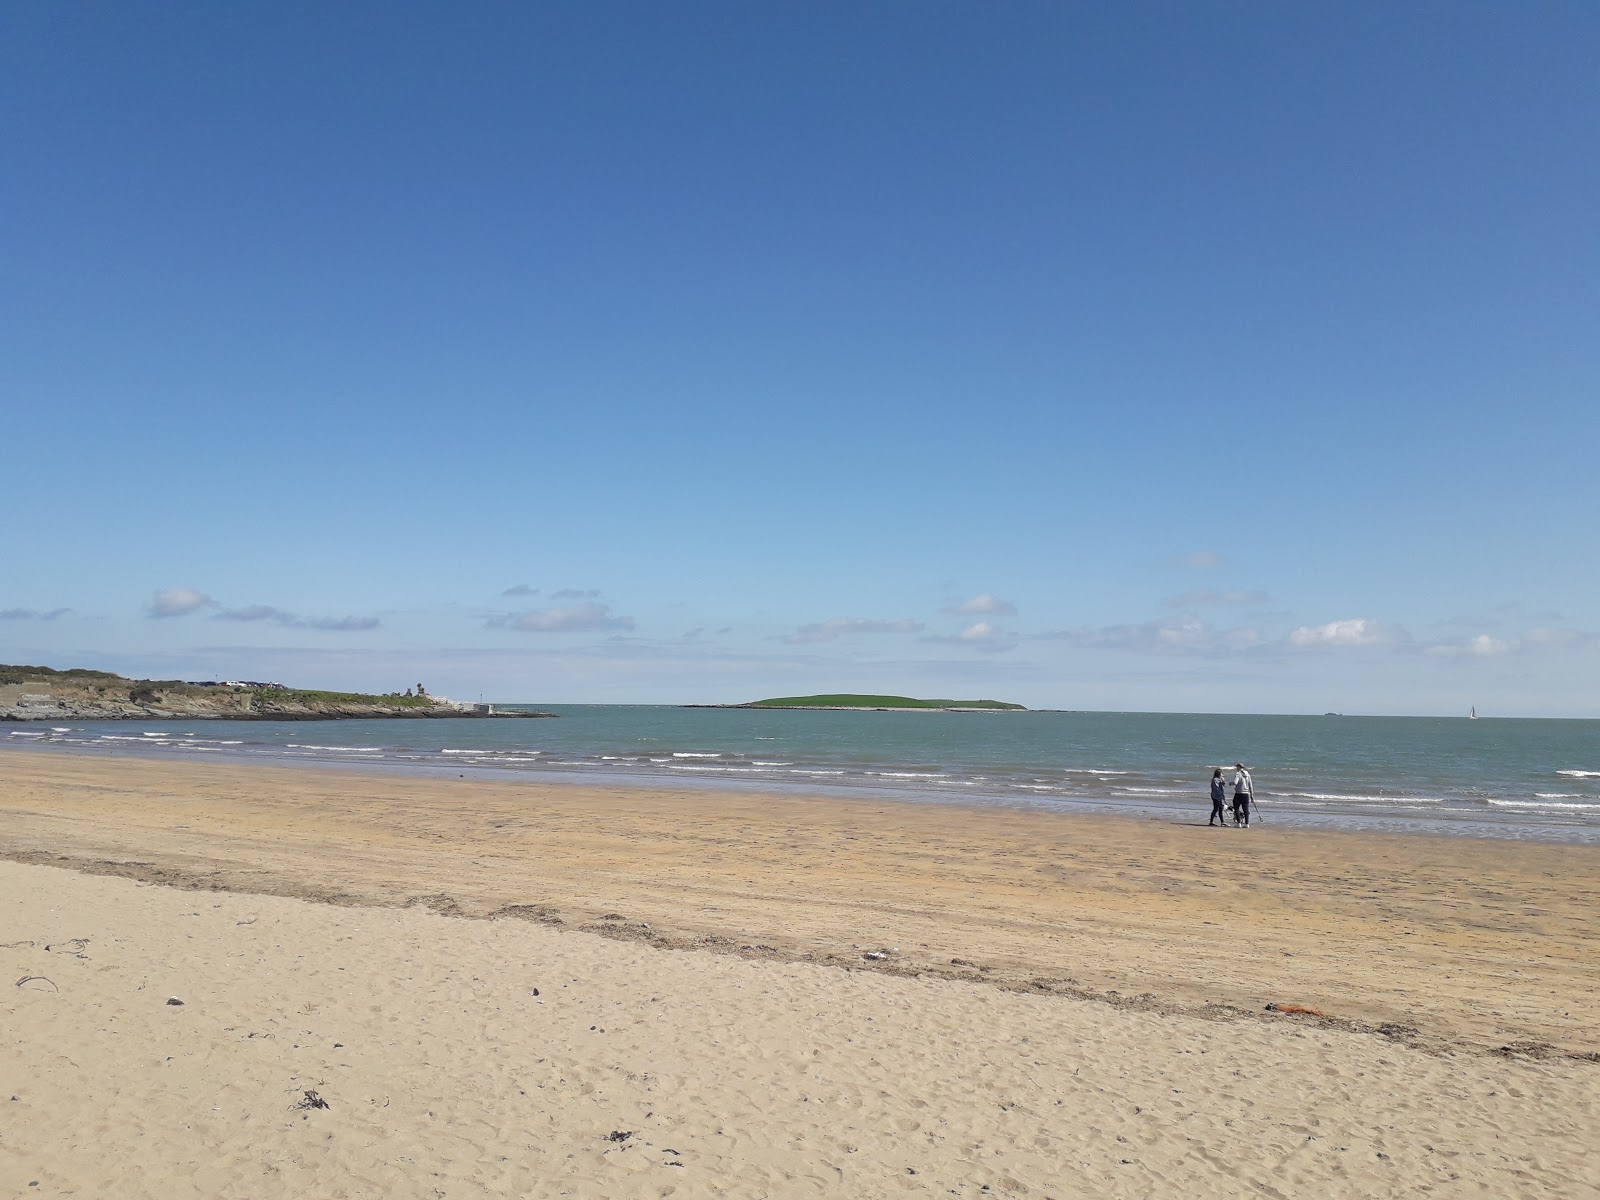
[848,700]
[46,694]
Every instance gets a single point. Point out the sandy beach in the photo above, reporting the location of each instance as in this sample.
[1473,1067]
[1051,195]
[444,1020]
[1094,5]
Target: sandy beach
[527,989]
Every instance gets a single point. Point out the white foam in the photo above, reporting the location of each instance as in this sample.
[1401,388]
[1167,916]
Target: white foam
[466,752]
[760,763]
[25,733]
[1594,808]
[693,754]
[910,774]
[1350,799]
[336,749]
[1581,774]
[163,733]
[1369,801]
[1557,796]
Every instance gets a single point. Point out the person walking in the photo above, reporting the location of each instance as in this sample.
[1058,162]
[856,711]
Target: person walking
[1243,790]
[1219,791]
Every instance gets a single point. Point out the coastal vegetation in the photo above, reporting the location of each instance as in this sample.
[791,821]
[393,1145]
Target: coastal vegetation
[43,693]
[14,674]
[849,700]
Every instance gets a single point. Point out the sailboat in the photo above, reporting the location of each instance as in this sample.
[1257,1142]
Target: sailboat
[1472,713]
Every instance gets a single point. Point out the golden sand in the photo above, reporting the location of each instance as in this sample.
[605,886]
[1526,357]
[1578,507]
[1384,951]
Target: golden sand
[1067,1005]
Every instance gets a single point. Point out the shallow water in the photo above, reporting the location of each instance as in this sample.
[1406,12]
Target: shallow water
[1510,778]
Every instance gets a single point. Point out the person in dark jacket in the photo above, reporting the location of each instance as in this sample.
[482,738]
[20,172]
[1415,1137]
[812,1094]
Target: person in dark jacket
[1219,792]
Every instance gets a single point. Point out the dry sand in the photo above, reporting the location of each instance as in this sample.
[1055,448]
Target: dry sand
[1072,1006]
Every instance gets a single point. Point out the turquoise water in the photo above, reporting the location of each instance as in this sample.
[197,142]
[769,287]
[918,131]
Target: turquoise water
[1491,777]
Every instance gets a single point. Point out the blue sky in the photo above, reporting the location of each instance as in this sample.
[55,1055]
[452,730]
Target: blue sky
[1214,357]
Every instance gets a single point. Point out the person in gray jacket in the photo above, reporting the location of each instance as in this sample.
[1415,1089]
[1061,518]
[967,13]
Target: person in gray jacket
[1243,791]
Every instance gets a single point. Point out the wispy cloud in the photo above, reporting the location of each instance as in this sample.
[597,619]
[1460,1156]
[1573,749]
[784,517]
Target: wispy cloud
[1352,631]
[838,627]
[1545,638]
[581,618]
[979,636]
[520,589]
[576,594]
[984,605]
[289,620]
[1201,560]
[32,614]
[1201,597]
[178,602]
[1563,639]
[1482,646]
[1179,635]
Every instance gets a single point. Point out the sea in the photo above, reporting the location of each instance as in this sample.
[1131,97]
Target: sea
[1523,779]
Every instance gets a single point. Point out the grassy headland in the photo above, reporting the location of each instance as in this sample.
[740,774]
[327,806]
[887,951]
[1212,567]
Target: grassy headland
[43,693]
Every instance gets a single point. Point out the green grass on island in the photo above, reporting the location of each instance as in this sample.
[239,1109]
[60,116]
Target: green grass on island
[845,700]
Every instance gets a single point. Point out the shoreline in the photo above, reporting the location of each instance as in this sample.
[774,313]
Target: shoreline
[1489,826]
[1436,942]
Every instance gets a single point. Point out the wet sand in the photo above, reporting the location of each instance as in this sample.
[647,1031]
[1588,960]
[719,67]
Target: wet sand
[1065,1005]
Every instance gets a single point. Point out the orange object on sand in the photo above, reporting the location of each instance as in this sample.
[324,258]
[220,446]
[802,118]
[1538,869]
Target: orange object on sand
[1296,1008]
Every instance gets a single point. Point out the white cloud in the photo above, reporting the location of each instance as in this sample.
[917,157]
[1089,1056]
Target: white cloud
[1201,560]
[827,631]
[581,618]
[985,604]
[1354,631]
[984,636]
[520,589]
[178,602]
[1186,633]
[576,594]
[979,636]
